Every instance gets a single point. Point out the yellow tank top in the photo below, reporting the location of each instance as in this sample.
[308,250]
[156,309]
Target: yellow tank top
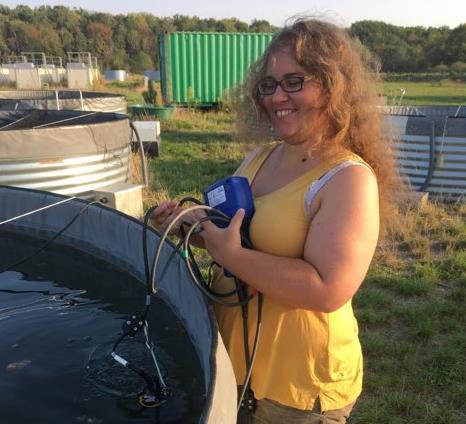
[302,354]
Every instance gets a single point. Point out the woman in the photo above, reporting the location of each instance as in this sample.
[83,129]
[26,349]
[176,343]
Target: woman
[318,195]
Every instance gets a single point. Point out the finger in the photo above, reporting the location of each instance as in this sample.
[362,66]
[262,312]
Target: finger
[237,220]
[158,210]
[173,204]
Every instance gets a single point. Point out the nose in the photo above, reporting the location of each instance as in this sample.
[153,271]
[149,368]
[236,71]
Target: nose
[279,94]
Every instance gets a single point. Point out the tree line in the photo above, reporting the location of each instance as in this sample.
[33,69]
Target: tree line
[131,41]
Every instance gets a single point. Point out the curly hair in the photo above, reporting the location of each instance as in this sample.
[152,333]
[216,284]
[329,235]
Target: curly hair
[348,75]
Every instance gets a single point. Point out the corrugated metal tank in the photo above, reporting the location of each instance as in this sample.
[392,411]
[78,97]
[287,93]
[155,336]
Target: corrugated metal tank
[431,147]
[65,152]
[62,100]
[198,67]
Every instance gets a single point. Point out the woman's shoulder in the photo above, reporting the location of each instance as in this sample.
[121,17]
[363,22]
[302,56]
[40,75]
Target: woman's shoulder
[350,180]
[347,176]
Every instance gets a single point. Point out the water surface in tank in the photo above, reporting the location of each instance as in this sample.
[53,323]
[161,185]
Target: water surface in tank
[60,315]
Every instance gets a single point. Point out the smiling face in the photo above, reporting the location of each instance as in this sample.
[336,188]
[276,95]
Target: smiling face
[296,116]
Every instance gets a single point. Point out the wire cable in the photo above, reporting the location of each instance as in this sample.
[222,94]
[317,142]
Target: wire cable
[37,210]
[164,237]
[247,380]
[200,284]
[50,241]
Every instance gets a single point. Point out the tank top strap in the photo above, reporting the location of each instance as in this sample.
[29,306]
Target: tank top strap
[254,161]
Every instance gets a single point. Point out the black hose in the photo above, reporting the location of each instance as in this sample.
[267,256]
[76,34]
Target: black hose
[432,161]
[143,155]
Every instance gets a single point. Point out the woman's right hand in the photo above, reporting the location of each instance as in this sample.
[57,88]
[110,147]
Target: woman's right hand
[164,214]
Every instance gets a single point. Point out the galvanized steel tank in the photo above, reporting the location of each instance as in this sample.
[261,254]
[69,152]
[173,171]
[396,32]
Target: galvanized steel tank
[431,147]
[65,152]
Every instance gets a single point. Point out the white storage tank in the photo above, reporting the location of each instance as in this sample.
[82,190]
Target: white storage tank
[115,75]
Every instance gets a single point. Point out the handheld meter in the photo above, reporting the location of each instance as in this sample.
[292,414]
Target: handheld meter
[228,195]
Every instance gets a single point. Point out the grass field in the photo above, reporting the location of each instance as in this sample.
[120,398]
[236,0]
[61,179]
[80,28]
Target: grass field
[411,308]
[424,93]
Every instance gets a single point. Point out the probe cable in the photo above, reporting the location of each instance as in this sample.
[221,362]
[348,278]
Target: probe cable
[50,241]
[157,389]
[37,210]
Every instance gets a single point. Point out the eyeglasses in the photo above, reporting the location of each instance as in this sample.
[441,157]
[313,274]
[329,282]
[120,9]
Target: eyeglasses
[268,86]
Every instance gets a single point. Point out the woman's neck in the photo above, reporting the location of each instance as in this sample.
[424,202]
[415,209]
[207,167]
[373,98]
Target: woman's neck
[293,155]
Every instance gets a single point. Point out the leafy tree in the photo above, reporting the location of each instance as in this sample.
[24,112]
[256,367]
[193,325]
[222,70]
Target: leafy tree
[459,67]
[260,25]
[435,45]
[101,42]
[50,40]
[141,62]
[119,59]
[456,45]
[23,13]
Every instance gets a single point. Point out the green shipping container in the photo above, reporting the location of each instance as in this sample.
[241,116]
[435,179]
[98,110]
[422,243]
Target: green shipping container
[200,67]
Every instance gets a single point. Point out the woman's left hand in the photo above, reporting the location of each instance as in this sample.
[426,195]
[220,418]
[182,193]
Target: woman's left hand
[222,243]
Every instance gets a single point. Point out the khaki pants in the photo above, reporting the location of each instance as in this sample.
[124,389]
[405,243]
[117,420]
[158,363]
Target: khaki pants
[270,412]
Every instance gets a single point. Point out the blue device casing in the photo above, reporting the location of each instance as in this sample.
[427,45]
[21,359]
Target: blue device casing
[228,195]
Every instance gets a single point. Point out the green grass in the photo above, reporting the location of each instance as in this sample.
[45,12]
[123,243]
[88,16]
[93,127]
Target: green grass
[198,149]
[424,93]
[411,307]
[411,311]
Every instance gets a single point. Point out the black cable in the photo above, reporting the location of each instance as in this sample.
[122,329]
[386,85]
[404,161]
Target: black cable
[209,283]
[200,283]
[47,243]
[137,321]
[144,245]
[190,199]
[247,379]
[432,160]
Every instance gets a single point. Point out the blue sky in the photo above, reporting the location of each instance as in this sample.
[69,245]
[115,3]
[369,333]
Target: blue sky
[399,12]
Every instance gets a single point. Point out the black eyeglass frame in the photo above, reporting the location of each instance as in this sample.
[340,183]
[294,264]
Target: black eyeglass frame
[301,79]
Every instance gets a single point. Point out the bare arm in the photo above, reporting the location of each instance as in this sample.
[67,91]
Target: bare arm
[339,247]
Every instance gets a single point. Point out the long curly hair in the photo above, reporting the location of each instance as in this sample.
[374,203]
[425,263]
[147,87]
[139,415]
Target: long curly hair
[348,76]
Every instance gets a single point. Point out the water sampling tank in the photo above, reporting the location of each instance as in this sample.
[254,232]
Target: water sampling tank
[109,236]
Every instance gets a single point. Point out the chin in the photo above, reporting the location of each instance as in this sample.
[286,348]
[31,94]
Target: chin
[284,134]
[289,138]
